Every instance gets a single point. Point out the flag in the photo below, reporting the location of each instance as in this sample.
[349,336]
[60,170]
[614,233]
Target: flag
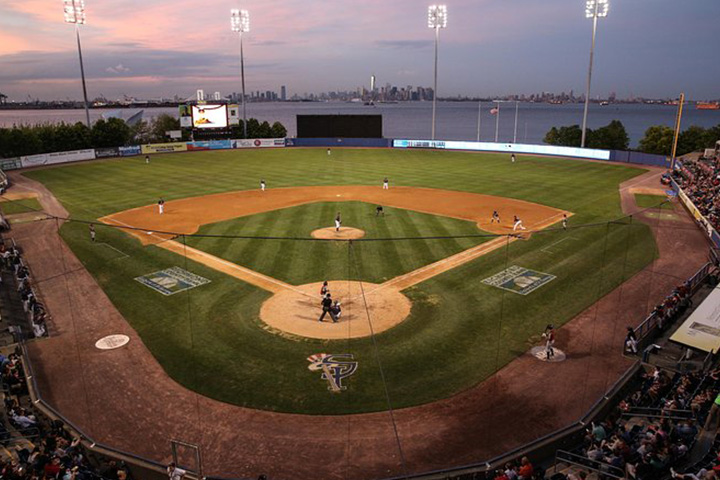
[494,111]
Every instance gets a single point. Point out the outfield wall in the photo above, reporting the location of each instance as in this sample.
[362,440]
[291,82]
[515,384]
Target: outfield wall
[339,142]
[505,147]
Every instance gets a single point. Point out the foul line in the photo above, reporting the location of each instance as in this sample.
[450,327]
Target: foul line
[124,255]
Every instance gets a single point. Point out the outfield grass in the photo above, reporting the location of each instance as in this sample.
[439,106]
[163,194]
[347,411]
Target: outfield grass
[210,338]
[25,205]
[653,201]
[303,262]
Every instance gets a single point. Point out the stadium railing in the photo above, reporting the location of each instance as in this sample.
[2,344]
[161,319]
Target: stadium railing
[603,470]
[646,331]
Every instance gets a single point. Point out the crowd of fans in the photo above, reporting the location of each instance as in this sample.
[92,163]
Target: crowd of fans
[648,446]
[665,313]
[12,261]
[36,448]
[700,180]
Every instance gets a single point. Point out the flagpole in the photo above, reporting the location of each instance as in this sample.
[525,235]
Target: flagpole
[497,121]
[479,111]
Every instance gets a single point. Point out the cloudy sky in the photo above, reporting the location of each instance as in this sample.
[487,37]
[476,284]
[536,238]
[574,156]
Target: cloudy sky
[152,48]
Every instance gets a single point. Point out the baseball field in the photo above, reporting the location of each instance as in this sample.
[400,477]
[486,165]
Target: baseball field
[435,297]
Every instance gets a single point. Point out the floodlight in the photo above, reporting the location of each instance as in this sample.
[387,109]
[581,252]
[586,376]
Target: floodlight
[240,23]
[593,9]
[74,11]
[239,20]
[596,7]
[437,16]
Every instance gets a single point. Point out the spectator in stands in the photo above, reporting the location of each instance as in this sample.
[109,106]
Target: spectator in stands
[526,469]
[631,342]
[175,473]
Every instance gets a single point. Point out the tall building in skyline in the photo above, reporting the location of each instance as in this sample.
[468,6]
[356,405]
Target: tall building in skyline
[283,93]
[200,95]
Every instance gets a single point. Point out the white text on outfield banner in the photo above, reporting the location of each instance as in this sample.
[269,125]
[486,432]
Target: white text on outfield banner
[57,157]
[258,143]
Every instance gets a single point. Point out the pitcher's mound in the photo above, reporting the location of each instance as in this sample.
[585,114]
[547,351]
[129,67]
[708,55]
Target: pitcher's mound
[345,233]
[297,311]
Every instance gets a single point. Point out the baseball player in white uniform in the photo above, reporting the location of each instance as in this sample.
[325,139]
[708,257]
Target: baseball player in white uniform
[262,185]
[161,206]
[518,224]
[386,184]
[338,222]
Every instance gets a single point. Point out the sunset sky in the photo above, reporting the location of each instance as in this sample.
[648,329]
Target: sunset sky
[652,48]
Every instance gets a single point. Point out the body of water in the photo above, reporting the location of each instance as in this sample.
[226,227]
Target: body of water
[455,120]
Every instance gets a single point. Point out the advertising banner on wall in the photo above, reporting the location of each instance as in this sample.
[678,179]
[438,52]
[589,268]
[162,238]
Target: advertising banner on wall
[164,147]
[506,147]
[209,145]
[10,163]
[698,216]
[185,114]
[57,157]
[107,152]
[129,151]
[258,143]
[233,114]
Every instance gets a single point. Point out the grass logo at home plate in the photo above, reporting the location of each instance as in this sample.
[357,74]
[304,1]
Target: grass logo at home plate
[334,367]
[172,280]
[519,280]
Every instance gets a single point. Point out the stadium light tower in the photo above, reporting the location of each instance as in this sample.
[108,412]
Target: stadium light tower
[593,9]
[240,23]
[75,13]
[437,19]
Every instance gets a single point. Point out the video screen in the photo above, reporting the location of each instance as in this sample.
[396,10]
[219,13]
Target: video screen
[209,116]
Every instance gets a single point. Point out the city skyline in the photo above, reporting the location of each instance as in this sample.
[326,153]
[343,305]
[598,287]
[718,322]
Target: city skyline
[489,49]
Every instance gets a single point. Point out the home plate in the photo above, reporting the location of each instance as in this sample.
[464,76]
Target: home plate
[112,341]
[540,354]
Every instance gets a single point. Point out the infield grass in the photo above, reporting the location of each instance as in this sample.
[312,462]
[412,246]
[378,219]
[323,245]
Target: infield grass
[460,330]
[300,262]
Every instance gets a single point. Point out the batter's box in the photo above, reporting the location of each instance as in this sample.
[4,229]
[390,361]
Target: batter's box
[172,280]
[519,280]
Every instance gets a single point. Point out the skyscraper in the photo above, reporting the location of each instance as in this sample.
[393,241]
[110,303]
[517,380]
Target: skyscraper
[283,93]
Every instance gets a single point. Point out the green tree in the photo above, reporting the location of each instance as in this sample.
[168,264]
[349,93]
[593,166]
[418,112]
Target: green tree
[265,130]
[569,136]
[253,128]
[658,140]
[161,125]
[691,139]
[278,130]
[612,136]
[712,135]
[552,136]
[113,132]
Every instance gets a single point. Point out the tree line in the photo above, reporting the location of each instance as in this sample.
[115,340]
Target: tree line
[658,139]
[25,140]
